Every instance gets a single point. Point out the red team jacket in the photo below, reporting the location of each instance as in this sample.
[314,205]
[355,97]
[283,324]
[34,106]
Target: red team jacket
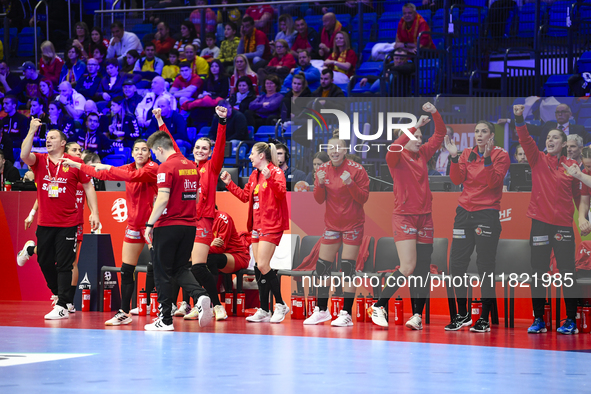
[209,171]
[272,214]
[483,185]
[344,203]
[412,195]
[224,228]
[140,188]
[553,190]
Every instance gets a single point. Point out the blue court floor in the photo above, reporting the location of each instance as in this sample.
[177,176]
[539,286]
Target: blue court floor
[59,360]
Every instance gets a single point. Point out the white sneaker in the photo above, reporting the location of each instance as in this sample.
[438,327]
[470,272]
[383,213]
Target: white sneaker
[158,325]
[378,316]
[119,319]
[58,312]
[134,311]
[182,310]
[192,315]
[71,308]
[23,256]
[260,316]
[205,311]
[54,300]
[220,312]
[415,322]
[344,320]
[279,313]
[318,317]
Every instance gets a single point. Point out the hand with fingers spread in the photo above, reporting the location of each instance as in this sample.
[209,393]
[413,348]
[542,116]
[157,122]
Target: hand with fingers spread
[450,145]
[490,145]
[574,170]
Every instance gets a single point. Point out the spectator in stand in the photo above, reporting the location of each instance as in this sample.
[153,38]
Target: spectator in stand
[123,127]
[122,42]
[186,84]
[254,44]
[319,159]
[130,97]
[89,83]
[299,88]
[343,59]
[112,83]
[229,47]
[100,54]
[129,61]
[82,40]
[8,80]
[59,119]
[171,69]
[91,107]
[245,94]
[306,39]
[175,123]
[292,174]
[211,51]
[50,65]
[327,87]
[281,63]
[350,7]
[14,124]
[28,87]
[236,126]
[242,69]
[410,26]
[143,112]
[262,16]
[401,65]
[92,139]
[162,41]
[97,40]
[331,26]
[215,89]
[520,156]
[265,110]
[228,14]
[8,173]
[73,68]
[311,73]
[72,101]
[188,37]
[150,63]
[47,91]
[198,64]
[37,110]
[210,19]
[286,31]
[574,147]
[441,157]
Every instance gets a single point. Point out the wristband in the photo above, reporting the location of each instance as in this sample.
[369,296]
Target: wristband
[32,213]
[487,161]
[455,159]
[149,225]
[519,119]
[223,121]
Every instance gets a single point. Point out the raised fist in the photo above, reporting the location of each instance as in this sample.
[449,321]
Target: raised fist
[428,107]
[518,109]
[225,177]
[221,111]
[157,112]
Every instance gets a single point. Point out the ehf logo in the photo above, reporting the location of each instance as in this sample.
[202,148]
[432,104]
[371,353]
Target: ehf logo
[119,210]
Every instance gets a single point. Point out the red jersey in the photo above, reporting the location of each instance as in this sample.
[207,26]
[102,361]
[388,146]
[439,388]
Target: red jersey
[60,211]
[344,203]
[553,190]
[585,190]
[209,172]
[268,210]
[483,184]
[583,257]
[140,188]
[80,200]
[224,228]
[412,195]
[179,175]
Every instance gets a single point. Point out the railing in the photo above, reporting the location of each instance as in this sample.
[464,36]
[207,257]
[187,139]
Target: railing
[35,26]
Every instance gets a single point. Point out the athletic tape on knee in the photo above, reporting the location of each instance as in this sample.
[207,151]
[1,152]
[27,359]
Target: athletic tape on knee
[323,267]
[127,273]
[348,267]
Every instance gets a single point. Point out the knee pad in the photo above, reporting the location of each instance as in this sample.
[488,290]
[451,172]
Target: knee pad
[323,267]
[127,273]
[215,262]
[348,267]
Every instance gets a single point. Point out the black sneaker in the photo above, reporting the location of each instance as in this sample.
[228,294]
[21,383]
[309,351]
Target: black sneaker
[481,326]
[459,322]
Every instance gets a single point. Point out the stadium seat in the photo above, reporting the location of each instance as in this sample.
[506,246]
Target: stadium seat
[116,160]
[370,68]
[584,63]
[264,133]
[527,17]
[556,85]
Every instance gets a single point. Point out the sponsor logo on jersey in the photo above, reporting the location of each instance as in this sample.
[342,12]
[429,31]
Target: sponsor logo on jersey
[189,196]
[161,178]
[190,171]
[119,210]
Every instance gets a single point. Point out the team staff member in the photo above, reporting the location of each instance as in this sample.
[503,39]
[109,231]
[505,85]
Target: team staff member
[268,218]
[412,223]
[140,190]
[209,172]
[58,219]
[551,210]
[482,171]
[172,222]
[344,186]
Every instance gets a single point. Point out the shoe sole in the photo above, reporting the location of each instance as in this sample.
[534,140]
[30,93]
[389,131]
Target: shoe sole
[221,318]
[543,330]
[350,324]
[206,316]
[568,333]
[56,318]
[264,320]
[158,329]
[467,324]
[24,250]
[414,327]
[483,331]
[123,323]
[282,318]
[379,324]
[318,322]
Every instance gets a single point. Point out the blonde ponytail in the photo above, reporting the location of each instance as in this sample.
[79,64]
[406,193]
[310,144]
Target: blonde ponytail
[274,158]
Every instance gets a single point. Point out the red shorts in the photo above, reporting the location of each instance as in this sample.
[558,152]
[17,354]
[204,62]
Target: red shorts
[80,232]
[274,238]
[134,235]
[417,227]
[352,237]
[241,260]
[204,234]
